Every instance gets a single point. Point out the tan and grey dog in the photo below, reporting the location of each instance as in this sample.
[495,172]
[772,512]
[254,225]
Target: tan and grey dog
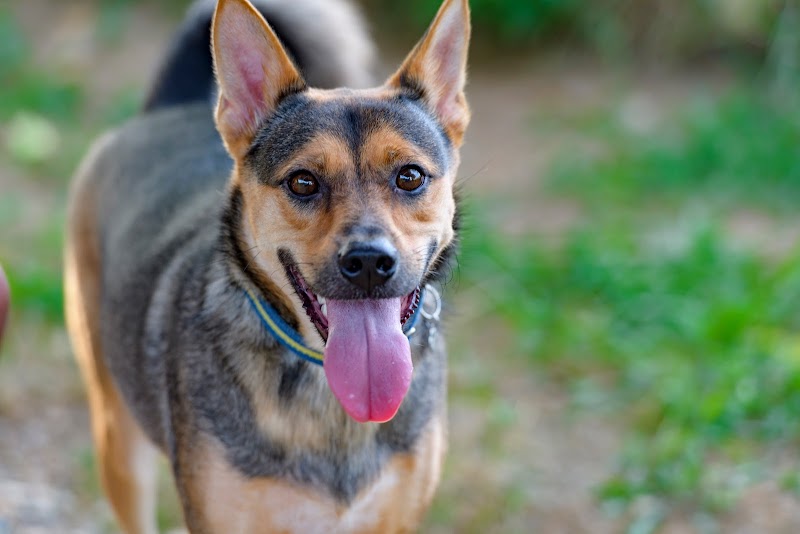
[251,291]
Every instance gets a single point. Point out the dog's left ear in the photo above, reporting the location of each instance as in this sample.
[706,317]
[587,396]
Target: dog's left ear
[436,69]
[253,70]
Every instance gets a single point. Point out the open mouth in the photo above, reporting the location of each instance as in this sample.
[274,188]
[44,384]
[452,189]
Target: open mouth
[316,307]
[367,358]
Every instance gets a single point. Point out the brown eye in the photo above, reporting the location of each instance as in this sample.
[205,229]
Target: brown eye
[410,178]
[303,184]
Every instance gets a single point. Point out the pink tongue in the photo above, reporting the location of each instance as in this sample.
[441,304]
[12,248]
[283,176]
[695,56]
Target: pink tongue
[367,357]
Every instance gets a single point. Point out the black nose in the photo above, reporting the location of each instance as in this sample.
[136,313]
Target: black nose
[368,266]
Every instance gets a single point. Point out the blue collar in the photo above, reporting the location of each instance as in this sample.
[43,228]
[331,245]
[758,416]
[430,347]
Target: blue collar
[291,339]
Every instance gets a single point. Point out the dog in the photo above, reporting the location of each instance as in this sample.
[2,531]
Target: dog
[252,287]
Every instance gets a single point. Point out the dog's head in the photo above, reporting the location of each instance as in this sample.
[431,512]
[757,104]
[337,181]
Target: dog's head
[345,194]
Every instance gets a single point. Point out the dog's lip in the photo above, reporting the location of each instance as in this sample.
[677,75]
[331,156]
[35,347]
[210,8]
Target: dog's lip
[315,305]
[311,302]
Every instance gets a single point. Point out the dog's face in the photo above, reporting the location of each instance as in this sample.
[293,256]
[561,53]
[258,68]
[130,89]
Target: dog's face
[351,194]
[346,194]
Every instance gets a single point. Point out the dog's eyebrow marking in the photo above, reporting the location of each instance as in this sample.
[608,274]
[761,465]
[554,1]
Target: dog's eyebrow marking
[232,248]
[325,154]
[386,148]
[302,118]
[415,129]
[285,132]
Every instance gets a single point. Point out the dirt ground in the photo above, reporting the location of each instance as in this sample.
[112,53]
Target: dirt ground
[523,444]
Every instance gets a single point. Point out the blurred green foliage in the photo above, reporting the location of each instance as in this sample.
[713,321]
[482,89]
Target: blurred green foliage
[509,20]
[698,346]
[41,113]
[667,325]
[740,148]
[36,290]
[615,29]
[25,88]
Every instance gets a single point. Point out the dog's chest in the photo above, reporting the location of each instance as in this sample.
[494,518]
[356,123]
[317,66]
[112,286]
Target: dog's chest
[394,502]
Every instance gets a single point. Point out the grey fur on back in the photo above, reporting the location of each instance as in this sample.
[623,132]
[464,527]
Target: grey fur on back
[327,39]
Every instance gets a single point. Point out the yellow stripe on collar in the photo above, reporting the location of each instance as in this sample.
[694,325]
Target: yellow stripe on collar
[281,331]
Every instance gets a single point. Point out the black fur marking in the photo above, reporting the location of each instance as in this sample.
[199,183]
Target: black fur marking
[223,401]
[291,378]
[411,87]
[289,263]
[186,74]
[354,128]
[297,86]
[231,247]
[298,119]
[281,137]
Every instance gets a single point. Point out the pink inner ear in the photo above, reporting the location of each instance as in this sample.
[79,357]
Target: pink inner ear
[250,66]
[448,66]
[244,85]
[253,77]
[446,60]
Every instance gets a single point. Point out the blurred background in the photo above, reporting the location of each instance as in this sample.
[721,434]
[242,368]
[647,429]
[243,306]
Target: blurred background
[625,330]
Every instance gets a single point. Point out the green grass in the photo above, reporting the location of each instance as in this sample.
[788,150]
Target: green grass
[615,30]
[512,21]
[672,327]
[740,148]
[25,88]
[697,348]
[44,115]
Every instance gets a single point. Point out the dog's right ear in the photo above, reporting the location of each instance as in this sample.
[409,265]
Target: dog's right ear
[436,70]
[253,70]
